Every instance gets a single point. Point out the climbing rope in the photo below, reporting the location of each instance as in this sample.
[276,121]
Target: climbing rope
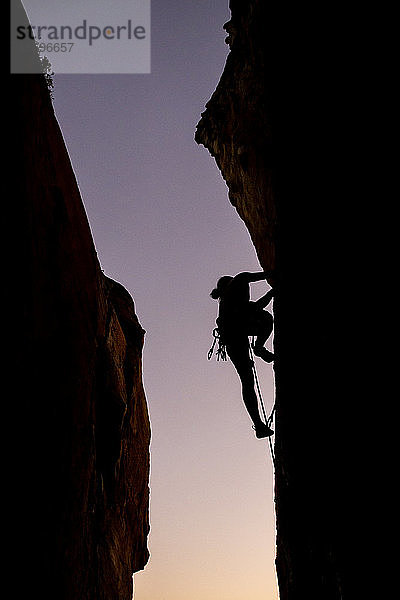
[270,419]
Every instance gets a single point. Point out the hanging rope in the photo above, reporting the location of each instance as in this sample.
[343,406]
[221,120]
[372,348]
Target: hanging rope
[270,419]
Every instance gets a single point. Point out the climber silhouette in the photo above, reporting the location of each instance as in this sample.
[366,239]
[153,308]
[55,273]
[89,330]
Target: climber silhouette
[239,318]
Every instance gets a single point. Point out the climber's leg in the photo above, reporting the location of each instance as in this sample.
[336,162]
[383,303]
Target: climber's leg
[249,395]
[264,327]
[243,365]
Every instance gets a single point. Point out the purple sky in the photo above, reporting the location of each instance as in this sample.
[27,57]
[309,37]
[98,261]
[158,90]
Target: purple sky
[164,228]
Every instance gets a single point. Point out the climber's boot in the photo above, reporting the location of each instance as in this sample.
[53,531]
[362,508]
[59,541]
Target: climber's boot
[262,431]
[263,353]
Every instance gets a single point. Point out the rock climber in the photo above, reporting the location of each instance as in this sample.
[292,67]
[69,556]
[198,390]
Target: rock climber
[239,318]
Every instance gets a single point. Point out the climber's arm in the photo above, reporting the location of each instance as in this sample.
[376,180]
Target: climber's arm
[251,277]
[265,300]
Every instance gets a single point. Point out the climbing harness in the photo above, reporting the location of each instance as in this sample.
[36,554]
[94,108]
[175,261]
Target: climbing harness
[221,350]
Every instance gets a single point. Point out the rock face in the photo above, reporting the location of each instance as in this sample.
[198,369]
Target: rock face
[81,462]
[236,130]
[280,128]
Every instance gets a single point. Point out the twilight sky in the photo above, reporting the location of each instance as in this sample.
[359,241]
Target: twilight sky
[164,228]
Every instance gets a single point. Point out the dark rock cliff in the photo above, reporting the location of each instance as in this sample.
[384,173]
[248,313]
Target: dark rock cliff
[79,419]
[282,128]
